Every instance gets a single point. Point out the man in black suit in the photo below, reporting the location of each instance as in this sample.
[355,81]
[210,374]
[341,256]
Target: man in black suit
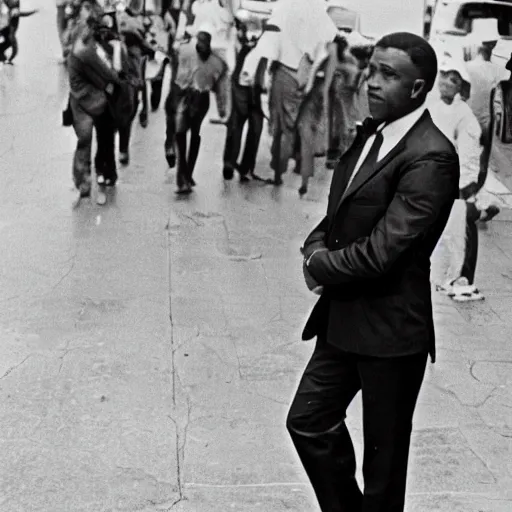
[369,259]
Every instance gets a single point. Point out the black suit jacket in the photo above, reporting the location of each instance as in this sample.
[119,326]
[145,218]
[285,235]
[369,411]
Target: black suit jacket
[379,235]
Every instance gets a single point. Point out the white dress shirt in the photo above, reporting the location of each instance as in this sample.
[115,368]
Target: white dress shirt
[392,133]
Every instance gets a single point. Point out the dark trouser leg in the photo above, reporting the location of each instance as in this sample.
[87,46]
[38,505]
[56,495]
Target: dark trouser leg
[198,115]
[143,116]
[307,137]
[171,103]
[485,156]
[105,160]
[125,132]
[124,138]
[471,251]
[390,388]
[181,147]
[252,141]
[156,88]
[316,423]
[5,33]
[83,125]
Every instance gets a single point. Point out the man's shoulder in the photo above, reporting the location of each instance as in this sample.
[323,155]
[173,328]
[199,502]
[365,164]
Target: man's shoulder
[428,139]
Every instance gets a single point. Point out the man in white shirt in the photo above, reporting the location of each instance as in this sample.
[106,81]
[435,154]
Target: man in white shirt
[369,258]
[484,78]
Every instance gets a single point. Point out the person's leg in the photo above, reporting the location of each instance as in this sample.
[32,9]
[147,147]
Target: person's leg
[171,104]
[471,252]
[309,116]
[126,131]
[105,160]
[182,174]
[252,142]
[6,44]
[316,423]
[453,241]
[83,125]
[485,155]
[390,388]
[199,113]
[143,116]
[234,131]
[290,99]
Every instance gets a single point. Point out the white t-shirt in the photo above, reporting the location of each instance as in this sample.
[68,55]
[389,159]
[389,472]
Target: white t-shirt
[484,78]
[459,124]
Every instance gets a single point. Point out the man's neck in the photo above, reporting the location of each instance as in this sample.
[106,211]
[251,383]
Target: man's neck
[392,119]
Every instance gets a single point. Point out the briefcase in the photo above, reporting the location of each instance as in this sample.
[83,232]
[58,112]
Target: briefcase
[67,116]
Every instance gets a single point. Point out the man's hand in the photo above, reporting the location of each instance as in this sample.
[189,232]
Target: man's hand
[310,282]
[109,89]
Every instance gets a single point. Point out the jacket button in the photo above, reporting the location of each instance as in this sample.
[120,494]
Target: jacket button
[337,241]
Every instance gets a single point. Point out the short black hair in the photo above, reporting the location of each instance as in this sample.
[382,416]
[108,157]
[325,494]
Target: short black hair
[419,50]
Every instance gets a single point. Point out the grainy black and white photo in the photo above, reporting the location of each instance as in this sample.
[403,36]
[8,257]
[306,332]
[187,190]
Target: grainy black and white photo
[256,255]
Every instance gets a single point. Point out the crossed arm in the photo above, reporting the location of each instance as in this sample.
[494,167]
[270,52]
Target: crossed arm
[427,188]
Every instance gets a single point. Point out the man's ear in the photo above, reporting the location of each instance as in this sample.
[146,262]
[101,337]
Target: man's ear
[418,88]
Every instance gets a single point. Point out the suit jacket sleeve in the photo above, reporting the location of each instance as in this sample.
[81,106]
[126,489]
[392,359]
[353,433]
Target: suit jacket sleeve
[426,188]
[316,239]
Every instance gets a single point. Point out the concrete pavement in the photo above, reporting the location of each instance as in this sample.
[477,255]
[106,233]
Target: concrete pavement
[149,349]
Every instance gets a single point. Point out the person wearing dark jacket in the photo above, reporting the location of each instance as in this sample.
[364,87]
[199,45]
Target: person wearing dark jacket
[199,72]
[92,81]
[369,259]
[9,28]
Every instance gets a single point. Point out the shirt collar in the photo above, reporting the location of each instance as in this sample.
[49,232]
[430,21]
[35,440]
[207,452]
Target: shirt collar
[401,126]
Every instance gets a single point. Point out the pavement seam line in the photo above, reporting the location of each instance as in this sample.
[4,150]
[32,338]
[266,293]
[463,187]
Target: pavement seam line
[173,368]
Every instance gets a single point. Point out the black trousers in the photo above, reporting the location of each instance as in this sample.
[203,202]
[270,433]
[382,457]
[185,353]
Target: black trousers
[246,107]
[5,33]
[471,250]
[105,159]
[316,422]
[185,110]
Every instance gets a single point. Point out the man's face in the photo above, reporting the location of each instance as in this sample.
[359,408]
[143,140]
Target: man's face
[450,84]
[394,84]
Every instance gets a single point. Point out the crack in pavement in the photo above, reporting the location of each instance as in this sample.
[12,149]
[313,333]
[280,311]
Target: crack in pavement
[456,396]
[12,368]
[494,479]
[72,259]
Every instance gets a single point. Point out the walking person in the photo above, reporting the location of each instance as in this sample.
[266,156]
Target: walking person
[454,117]
[216,14]
[369,259]
[305,30]
[199,72]
[245,108]
[92,80]
[10,15]
[484,78]
[332,101]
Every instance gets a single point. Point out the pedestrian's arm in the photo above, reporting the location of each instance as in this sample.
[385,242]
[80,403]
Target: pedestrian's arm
[427,188]
[468,134]
[323,54]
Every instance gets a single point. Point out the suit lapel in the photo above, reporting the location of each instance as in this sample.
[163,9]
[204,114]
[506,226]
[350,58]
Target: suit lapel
[367,173]
[343,171]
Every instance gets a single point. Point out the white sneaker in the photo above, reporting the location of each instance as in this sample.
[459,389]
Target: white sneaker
[467,294]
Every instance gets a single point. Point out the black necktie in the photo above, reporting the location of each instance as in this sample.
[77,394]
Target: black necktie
[371,158]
